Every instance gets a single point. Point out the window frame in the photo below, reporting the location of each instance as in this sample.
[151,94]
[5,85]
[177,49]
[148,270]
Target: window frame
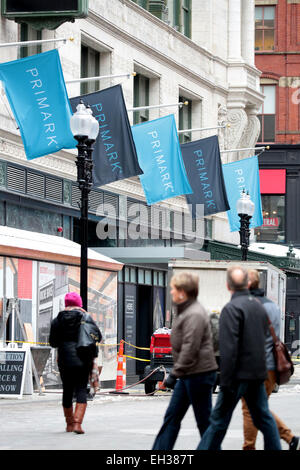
[262,114]
[85,61]
[139,81]
[263,28]
[258,230]
[28,33]
[182,16]
[185,114]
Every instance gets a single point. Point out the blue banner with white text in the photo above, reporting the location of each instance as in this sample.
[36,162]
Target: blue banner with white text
[160,158]
[114,154]
[204,169]
[239,175]
[36,91]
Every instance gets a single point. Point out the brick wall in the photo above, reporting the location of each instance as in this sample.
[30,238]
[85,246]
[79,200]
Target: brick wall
[283,66]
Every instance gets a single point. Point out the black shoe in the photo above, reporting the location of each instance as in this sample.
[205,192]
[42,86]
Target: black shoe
[295,443]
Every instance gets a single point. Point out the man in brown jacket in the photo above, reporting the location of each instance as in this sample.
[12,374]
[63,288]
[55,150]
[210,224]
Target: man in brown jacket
[193,374]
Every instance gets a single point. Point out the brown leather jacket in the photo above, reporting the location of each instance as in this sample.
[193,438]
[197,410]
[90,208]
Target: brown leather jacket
[191,340]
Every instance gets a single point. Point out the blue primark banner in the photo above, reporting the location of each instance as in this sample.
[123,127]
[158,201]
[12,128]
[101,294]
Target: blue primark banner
[239,175]
[160,158]
[204,169]
[114,154]
[36,91]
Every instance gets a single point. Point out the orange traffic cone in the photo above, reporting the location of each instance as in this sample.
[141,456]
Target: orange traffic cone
[161,386]
[119,379]
[124,371]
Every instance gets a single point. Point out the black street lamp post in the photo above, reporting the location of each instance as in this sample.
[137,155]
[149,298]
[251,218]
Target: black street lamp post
[245,210]
[85,129]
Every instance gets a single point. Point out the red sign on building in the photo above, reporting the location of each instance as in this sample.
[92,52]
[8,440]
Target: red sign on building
[271,222]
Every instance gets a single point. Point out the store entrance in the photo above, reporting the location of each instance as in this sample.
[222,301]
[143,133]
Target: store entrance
[144,324]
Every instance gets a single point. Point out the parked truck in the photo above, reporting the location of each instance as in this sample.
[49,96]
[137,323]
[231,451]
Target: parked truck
[213,293]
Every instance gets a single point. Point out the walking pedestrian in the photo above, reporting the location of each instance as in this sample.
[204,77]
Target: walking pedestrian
[193,374]
[273,312]
[243,329]
[74,371]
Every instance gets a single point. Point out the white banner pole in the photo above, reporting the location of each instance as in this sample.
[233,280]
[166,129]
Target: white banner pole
[90,79]
[203,129]
[250,148]
[31,43]
[158,106]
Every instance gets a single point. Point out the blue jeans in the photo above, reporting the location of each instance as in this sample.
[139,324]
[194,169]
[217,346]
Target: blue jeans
[254,393]
[195,390]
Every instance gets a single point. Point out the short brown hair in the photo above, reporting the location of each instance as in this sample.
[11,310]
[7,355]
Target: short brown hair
[254,278]
[237,278]
[188,282]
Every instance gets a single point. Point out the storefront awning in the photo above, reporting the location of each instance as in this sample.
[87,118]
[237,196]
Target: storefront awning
[153,254]
[39,246]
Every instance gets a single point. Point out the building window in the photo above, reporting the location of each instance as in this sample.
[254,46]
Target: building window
[142,3]
[141,86]
[186,17]
[264,28]
[185,120]
[180,14]
[273,228]
[90,67]
[267,114]
[29,34]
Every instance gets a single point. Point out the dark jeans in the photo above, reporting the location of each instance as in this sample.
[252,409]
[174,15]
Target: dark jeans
[254,393]
[195,390]
[74,380]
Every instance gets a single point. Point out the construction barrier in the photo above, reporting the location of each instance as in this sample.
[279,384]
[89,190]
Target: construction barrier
[120,359]
[124,371]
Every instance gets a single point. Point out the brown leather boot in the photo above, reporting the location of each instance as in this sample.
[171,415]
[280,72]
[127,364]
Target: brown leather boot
[78,417]
[68,412]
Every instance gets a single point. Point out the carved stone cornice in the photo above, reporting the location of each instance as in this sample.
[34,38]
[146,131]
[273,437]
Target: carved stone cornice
[238,120]
[251,133]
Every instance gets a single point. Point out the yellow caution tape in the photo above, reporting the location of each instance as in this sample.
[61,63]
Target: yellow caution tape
[144,349]
[29,342]
[137,359]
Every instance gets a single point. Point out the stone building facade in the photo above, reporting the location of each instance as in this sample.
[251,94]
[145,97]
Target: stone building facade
[213,69]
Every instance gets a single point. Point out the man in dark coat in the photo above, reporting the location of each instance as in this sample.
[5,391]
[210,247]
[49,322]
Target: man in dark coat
[243,329]
[273,312]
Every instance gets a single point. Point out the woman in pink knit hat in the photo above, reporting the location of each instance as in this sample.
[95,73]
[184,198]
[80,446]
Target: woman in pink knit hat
[74,371]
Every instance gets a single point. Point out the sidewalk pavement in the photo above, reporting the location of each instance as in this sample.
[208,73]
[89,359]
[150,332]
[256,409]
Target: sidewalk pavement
[105,395]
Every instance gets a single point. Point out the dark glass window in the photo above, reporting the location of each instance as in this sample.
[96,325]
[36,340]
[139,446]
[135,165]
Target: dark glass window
[267,114]
[90,67]
[185,120]
[29,34]
[141,86]
[273,228]
[36,5]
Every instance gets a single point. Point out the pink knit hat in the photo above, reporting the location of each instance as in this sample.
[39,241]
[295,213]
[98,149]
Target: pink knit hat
[72,299]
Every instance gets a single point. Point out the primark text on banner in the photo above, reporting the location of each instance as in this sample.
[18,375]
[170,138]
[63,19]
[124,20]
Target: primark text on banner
[36,91]
[114,154]
[204,169]
[160,158]
[239,175]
